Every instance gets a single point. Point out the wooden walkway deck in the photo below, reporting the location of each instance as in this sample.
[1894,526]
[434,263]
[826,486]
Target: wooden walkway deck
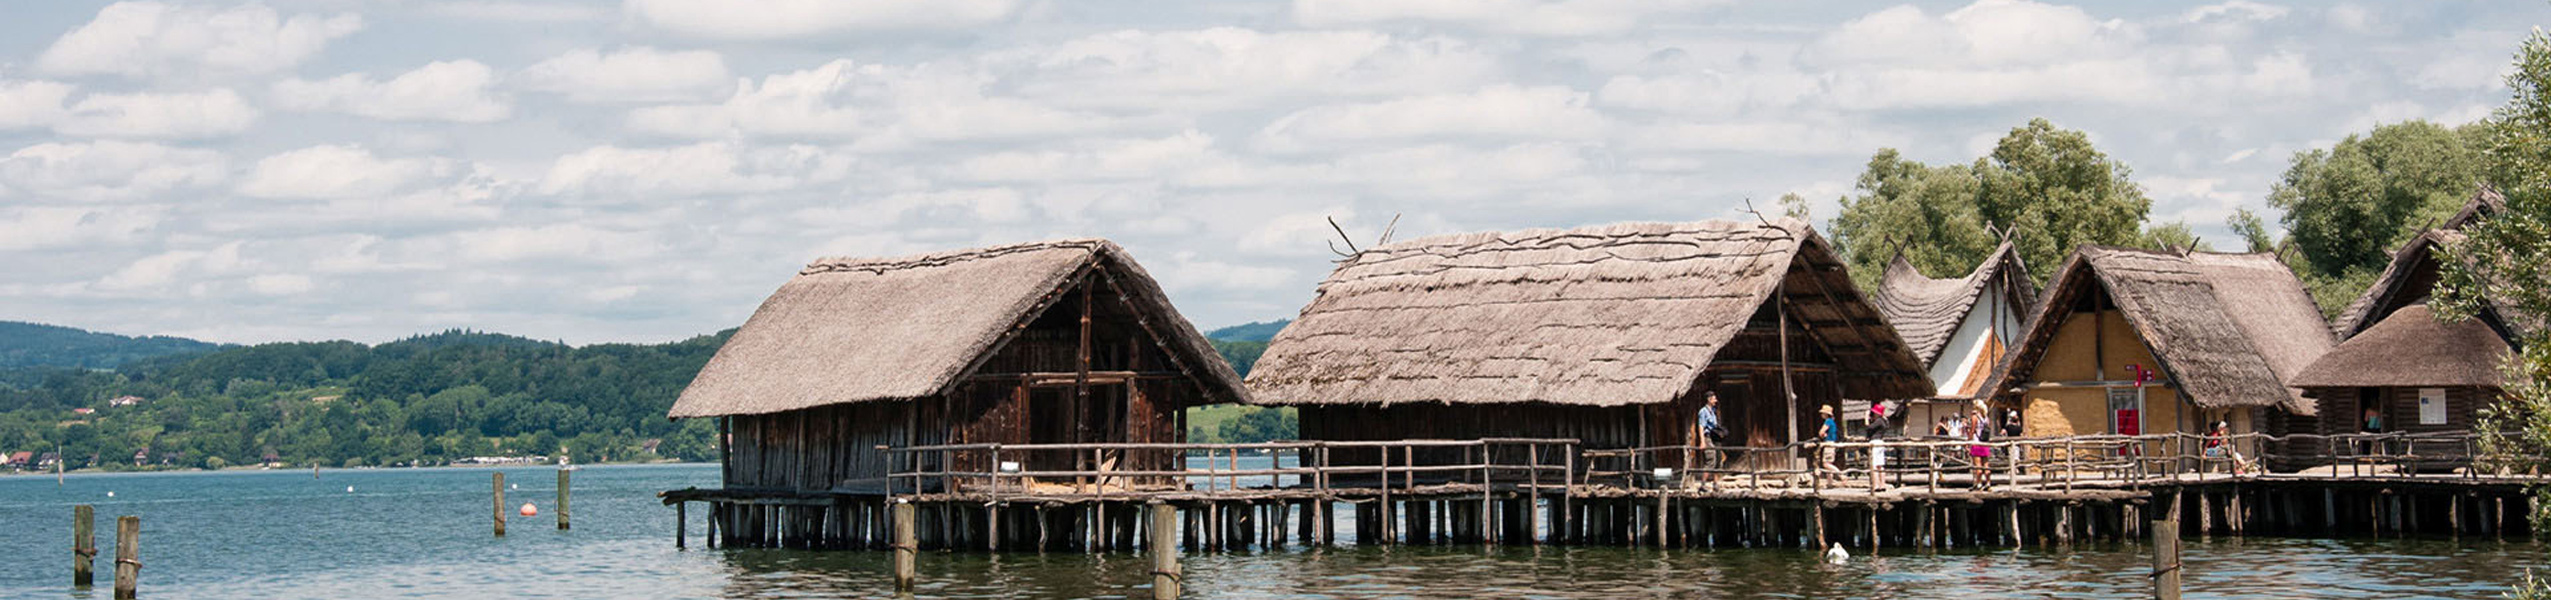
[1531,491]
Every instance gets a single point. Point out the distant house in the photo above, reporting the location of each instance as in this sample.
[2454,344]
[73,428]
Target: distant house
[2129,341]
[1960,327]
[48,460]
[2400,362]
[1043,343]
[142,457]
[125,401]
[1612,335]
[21,459]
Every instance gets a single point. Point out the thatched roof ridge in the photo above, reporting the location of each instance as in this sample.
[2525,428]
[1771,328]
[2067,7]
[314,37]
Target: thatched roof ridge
[1927,311]
[866,329]
[1602,316]
[2228,329]
[2412,348]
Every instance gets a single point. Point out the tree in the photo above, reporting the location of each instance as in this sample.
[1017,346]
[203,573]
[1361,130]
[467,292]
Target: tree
[2253,230]
[2050,185]
[2504,262]
[2348,206]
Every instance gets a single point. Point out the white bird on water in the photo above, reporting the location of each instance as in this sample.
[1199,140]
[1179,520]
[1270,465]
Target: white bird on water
[349,489]
[1836,554]
[110,494]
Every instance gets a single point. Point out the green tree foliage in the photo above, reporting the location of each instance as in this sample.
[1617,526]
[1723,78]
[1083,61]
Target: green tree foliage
[2505,262]
[34,345]
[2049,184]
[1241,355]
[2348,206]
[1250,332]
[424,400]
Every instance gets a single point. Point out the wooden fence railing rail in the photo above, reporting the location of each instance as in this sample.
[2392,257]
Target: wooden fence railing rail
[1536,465]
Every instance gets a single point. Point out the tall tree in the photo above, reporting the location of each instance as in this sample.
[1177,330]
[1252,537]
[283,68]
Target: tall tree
[2347,206]
[2047,183]
[2504,261]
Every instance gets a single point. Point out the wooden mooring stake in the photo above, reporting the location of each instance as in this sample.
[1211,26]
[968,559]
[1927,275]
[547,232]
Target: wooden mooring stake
[562,499]
[128,556]
[1164,552]
[500,504]
[83,544]
[907,546]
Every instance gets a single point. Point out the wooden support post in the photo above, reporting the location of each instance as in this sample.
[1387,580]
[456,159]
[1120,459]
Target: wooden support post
[2165,560]
[681,523]
[1164,552]
[562,499]
[1661,512]
[83,544]
[2064,524]
[128,556]
[1816,523]
[907,546]
[500,503]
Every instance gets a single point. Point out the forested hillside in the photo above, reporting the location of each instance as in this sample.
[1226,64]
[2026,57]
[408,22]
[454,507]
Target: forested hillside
[425,400]
[39,345]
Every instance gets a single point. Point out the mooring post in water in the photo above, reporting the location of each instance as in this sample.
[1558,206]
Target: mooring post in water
[83,544]
[562,499]
[1164,551]
[907,546]
[2165,560]
[128,556]
[500,504]
[681,523]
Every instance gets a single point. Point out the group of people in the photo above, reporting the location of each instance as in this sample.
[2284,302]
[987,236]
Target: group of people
[1973,425]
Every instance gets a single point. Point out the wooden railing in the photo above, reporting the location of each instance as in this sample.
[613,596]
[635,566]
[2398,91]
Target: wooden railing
[1383,467]
[999,471]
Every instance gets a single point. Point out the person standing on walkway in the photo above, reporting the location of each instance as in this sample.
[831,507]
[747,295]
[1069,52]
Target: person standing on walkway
[1713,435]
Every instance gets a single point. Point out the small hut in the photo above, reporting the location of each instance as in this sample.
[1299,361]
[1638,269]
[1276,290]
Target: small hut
[2129,341]
[1959,327]
[1052,342]
[2418,373]
[1609,335]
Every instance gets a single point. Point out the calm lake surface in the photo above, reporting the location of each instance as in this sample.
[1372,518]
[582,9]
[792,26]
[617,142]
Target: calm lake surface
[423,533]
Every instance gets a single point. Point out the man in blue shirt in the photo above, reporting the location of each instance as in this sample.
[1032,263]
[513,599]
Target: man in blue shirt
[1713,434]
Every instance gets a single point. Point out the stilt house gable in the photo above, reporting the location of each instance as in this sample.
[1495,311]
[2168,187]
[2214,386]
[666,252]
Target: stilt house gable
[2227,329]
[848,330]
[1600,316]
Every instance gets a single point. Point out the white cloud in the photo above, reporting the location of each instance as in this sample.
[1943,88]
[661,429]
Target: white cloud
[27,104]
[24,227]
[614,173]
[176,115]
[2235,10]
[459,91]
[1799,138]
[1503,111]
[779,19]
[570,241]
[1710,93]
[332,171]
[523,12]
[107,170]
[164,269]
[1228,68]
[150,39]
[279,284]
[1532,17]
[891,105]
[634,74]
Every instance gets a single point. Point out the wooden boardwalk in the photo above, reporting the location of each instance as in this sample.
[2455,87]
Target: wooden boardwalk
[1537,491]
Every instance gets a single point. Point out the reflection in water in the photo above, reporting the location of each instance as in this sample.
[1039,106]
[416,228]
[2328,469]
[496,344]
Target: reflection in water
[424,534]
[2219,569]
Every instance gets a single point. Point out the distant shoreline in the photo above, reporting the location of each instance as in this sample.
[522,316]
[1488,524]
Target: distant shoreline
[236,468]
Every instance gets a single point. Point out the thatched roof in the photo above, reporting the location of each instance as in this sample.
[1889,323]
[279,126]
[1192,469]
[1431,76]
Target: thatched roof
[2228,329]
[858,330]
[1600,316]
[1927,311]
[2411,348]
[2483,203]
[2410,279]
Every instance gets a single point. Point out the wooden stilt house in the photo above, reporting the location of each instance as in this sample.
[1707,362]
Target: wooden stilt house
[2129,341]
[1959,327]
[1053,342]
[1609,335]
[2417,373]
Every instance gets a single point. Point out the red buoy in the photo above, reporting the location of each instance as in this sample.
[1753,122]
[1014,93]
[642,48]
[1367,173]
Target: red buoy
[529,510]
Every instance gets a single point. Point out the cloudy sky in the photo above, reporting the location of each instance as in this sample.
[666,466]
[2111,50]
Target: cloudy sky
[650,169]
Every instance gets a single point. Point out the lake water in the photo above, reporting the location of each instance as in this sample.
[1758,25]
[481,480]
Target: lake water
[423,533]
